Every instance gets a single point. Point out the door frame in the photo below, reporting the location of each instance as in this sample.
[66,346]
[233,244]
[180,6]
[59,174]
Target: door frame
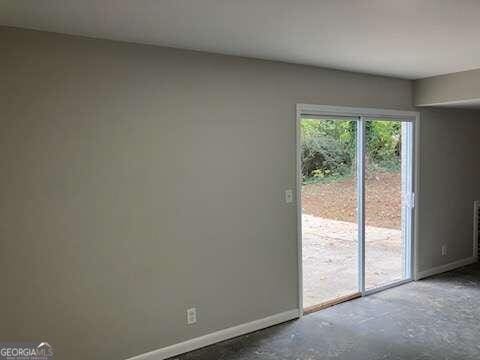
[303,110]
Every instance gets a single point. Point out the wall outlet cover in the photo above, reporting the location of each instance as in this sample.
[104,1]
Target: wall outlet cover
[191,316]
[289,196]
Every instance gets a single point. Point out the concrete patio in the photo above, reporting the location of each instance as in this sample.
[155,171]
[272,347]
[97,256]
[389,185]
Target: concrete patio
[329,251]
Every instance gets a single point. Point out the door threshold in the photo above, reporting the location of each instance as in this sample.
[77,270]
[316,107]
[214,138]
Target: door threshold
[387,286]
[329,303]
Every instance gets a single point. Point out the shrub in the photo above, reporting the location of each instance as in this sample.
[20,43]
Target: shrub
[329,146]
[383,139]
[326,149]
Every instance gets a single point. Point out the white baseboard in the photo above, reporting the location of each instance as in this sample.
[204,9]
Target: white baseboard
[446,267]
[217,336]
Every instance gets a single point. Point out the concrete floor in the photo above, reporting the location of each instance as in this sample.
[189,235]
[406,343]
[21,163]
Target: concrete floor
[437,318]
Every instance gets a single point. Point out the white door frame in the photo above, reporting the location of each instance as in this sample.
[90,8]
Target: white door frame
[413,117]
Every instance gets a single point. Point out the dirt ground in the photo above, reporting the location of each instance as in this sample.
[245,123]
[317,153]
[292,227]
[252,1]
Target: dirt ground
[337,200]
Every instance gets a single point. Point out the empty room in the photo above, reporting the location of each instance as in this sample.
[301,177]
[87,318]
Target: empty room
[239,180]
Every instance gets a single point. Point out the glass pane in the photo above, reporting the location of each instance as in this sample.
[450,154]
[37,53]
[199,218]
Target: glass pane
[385,192]
[329,201]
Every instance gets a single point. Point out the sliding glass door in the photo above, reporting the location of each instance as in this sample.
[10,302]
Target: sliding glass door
[388,189]
[329,211]
[356,201]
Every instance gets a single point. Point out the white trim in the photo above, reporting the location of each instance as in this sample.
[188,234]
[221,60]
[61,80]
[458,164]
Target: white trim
[360,190]
[298,177]
[326,110]
[417,159]
[408,182]
[476,205]
[444,268]
[215,337]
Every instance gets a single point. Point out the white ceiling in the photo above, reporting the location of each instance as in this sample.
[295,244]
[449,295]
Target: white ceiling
[403,38]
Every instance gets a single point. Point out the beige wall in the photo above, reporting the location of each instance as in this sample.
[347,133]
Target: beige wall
[138,181]
[448,89]
[449,184]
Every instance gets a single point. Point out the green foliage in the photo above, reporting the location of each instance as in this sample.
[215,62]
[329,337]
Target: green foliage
[328,147]
[383,140]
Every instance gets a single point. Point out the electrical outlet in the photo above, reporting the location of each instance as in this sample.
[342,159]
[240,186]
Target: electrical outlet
[444,249]
[191,316]
[288,196]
